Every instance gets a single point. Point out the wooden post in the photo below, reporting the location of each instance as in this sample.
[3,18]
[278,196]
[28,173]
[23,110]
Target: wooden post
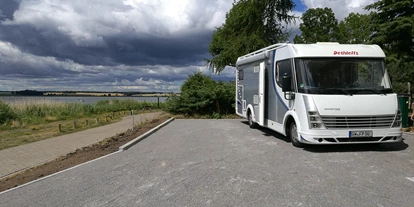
[106,118]
[86,123]
[60,127]
[133,121]
[97,120]
[158,102]
[74,125]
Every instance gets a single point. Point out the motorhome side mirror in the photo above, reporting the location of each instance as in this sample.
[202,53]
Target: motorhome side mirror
[286,83]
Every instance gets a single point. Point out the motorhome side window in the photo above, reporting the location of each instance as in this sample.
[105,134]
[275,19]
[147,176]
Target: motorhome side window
[241,74]
[282,67]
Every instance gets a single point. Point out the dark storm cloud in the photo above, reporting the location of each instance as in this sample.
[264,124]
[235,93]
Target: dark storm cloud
[100,42]
[176,51]
[131,44]
[7,8]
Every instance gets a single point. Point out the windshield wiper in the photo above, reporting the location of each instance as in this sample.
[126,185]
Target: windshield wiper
[376,91]
[343,91]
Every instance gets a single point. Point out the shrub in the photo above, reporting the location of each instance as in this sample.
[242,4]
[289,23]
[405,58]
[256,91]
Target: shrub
[202,95]
[6,113]
[401,73]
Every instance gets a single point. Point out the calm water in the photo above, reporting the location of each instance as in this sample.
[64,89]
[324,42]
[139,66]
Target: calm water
[70,99]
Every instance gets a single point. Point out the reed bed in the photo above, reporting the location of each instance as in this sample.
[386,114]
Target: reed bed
[40,111]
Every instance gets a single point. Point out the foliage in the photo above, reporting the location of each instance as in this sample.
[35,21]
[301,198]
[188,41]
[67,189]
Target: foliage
[249,26]
[401,73]
[202,95]
[390,25]
[318,25]
[393,23]
[105,106]
[355,29]
[6,114]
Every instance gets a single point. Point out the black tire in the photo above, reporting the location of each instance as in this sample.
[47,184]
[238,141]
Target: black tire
[293,135]
[252,124]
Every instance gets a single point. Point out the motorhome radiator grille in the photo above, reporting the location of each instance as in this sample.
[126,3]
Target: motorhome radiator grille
[358,121]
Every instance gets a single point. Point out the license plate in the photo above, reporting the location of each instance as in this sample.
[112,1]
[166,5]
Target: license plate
[360,134]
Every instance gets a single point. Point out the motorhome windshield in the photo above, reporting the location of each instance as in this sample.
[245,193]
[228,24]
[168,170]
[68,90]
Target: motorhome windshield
[347,76]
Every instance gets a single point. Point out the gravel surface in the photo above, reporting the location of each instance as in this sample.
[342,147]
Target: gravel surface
[225,163]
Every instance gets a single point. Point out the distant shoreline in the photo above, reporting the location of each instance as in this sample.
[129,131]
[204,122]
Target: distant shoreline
[83,94]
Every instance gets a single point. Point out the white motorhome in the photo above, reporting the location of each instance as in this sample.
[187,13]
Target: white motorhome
[323,93]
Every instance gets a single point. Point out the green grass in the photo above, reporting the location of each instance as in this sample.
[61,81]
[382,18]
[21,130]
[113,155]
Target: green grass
[24,135]
[37,120]
[34,112]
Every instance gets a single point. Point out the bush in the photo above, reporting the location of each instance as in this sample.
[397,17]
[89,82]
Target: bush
[202,95]
[401,73]
[6,113]
[105,106]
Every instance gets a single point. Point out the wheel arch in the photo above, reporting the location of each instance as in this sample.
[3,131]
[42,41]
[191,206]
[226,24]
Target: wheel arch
[251,110]
[289,118]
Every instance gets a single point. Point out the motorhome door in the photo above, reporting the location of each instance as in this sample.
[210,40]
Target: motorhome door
[261,99]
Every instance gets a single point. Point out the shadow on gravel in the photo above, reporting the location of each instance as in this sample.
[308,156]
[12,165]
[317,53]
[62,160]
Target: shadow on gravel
[270,133]
[357,147]
[338,148]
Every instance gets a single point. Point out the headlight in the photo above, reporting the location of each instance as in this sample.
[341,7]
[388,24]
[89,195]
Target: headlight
[315,120]
[397,120]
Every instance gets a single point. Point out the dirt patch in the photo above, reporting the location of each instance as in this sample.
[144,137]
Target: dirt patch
[80,156]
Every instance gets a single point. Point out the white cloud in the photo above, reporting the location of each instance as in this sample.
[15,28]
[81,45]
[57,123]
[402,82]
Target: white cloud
[146,85]
[293,27]
[49,73]
[88,22]
[11,55]
[341,8]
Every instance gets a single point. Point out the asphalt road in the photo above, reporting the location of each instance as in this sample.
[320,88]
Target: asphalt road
[225,163]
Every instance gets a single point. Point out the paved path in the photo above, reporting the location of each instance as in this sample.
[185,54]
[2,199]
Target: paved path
[25,156]
[225,163]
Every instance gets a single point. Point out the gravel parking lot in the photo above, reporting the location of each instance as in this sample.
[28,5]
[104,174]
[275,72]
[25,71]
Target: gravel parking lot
[225,163]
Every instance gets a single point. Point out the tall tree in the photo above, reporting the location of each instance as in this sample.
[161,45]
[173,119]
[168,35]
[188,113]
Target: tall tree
[249,26]
[354,29]
[393,21]
[318,25]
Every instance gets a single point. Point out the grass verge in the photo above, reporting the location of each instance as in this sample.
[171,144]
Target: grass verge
[12,137]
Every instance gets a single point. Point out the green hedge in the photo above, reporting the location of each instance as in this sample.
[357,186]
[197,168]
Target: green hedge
[202,95]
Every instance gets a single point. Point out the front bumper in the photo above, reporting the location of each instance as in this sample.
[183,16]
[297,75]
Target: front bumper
[326,136]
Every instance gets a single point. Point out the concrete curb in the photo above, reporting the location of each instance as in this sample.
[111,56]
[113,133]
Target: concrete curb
[142,137]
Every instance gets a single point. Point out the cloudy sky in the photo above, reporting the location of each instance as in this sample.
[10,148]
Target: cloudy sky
[116,45]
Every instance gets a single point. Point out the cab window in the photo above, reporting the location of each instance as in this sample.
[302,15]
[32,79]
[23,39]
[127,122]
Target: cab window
[282,67]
